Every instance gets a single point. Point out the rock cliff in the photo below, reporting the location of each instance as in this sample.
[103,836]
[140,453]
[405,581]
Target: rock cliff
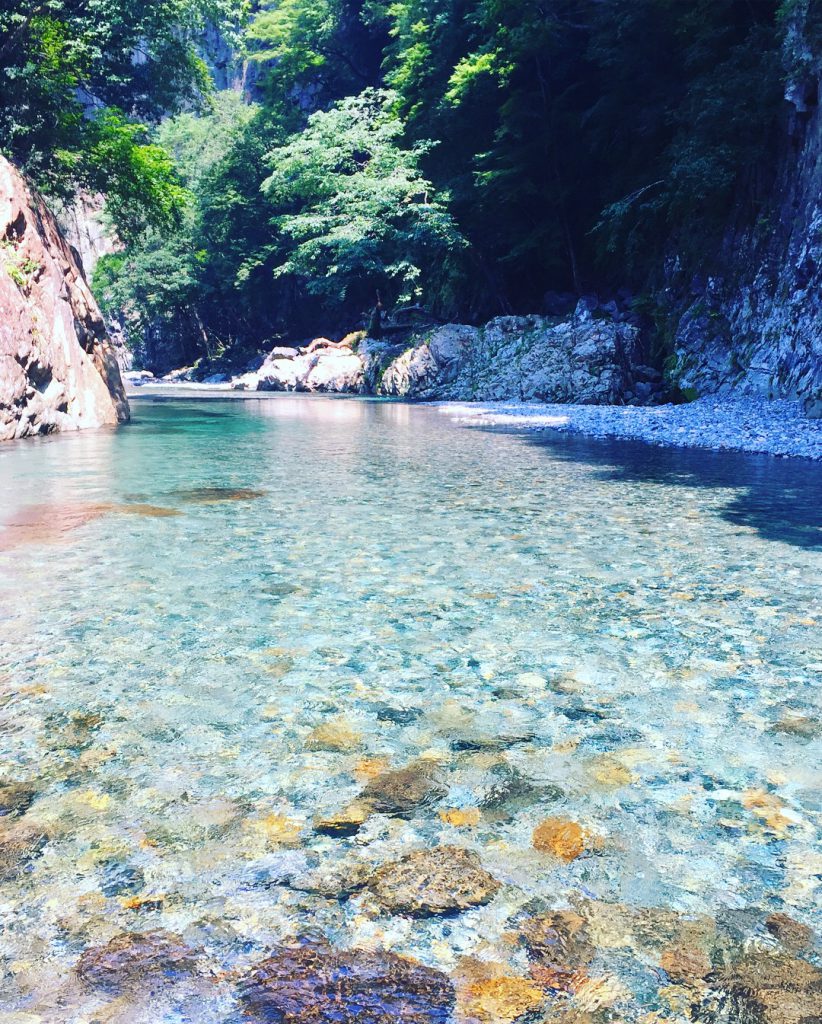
[753,324]
[58,369]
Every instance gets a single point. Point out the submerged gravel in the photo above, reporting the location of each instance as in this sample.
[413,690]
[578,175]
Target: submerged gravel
[742,424]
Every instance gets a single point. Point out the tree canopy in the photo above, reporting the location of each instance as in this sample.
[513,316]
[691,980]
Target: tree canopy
[473,154]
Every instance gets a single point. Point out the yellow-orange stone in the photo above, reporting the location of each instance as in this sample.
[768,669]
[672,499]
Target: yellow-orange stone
[335,736]
[499,1000]
[468,817]
[562,838]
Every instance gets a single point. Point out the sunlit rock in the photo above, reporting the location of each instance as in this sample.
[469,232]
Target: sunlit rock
[58,367]
[443,880]
[560,837]
[336,736]
[345,822]
[488,993]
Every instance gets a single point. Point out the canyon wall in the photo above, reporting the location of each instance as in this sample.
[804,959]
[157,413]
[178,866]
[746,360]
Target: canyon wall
[752,323]
[58,368]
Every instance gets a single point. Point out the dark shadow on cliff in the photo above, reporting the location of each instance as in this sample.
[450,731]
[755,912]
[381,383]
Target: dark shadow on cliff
[780,498]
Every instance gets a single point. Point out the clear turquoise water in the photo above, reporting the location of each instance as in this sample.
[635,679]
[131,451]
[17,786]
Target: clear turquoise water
[632,634]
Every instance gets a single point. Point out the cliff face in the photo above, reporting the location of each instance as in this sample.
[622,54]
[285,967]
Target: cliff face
[58,369]
[755,323]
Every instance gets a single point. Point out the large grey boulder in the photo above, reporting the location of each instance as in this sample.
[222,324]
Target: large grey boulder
[58,367]
[324,370]
[584,359]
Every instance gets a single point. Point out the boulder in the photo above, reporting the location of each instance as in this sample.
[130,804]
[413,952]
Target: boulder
[324,370]
[58,367]
[313,984]
[277,375]
[333,370]
[585,359]
[426,883]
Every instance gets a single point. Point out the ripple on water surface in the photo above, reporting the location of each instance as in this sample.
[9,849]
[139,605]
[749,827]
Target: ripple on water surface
[328,711]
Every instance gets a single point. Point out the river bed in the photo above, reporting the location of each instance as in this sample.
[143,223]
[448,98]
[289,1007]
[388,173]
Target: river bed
[253,654]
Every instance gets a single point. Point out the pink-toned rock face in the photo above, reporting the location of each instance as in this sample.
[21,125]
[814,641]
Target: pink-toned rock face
[58,369]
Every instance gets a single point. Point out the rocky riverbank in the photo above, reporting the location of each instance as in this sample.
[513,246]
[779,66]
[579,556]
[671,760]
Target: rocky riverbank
[743,424]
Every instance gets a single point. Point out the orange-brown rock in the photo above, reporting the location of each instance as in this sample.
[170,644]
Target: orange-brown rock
[487,993]
[562,838]
[58,369]
[685,964]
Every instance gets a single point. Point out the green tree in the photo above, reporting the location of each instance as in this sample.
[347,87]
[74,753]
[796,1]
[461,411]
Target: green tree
[79,79]
[354,208]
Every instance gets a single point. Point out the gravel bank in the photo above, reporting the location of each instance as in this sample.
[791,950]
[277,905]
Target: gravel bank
[744,424]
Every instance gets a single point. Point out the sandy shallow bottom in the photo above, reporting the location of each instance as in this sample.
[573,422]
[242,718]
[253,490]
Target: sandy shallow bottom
[254,654]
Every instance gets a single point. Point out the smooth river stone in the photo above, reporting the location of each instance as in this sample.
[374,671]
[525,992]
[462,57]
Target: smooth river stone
[404,790]
[316,985]
[444,880]
[131,958]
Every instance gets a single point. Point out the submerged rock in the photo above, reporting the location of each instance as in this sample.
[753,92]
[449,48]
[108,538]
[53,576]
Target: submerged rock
[19,843]
[404,790]
[763,988]
[345,822]
[335,881]
[507,791]
[316,985]
[487,993]
[558,937]
[444,880]
[216,495]
[560,837]
[16,797]
[132,958]
[336,736]
[792,934]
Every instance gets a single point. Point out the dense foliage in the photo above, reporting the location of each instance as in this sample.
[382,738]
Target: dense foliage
[79,80]
[471,155]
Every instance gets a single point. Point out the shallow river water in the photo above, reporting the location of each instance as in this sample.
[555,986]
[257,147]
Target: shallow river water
[254,653]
